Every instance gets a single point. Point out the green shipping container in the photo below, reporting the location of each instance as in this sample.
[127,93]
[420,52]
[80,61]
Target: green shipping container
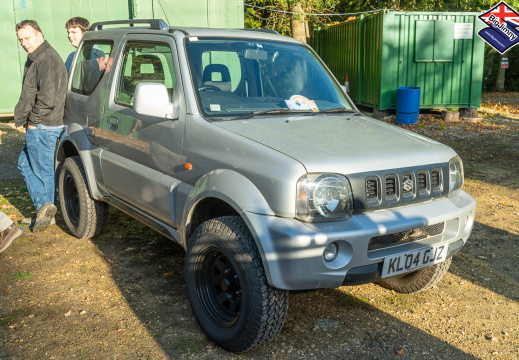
[439,52]
[52,15]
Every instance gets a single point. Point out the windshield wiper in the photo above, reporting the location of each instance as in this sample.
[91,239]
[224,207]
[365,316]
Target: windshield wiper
[257,113]
[333,110]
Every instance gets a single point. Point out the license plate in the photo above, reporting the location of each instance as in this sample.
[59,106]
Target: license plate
[400,264]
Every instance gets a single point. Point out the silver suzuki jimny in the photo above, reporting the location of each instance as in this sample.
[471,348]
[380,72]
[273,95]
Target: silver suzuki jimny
[242,147]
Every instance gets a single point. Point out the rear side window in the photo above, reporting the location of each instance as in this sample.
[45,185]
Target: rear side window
[90,66]
[144,62]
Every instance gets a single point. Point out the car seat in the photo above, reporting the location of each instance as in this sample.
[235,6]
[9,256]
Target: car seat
[224,82]
[147,68]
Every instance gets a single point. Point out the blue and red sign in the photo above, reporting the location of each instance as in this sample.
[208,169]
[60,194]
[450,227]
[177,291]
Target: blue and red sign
[503,30]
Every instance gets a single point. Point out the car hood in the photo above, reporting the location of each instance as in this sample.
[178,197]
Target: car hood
[343,144]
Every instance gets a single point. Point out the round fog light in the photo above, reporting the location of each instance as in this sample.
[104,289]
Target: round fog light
[330,252]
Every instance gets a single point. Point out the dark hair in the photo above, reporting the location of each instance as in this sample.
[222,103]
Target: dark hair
[31,23]
[78,22]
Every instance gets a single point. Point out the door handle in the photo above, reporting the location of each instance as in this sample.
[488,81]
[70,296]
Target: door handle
[113,120]
[113,123]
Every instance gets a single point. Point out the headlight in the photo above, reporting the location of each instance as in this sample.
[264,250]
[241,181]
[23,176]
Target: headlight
[323,197]
[455,174]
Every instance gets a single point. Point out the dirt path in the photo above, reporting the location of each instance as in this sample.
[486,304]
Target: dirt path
[122,295]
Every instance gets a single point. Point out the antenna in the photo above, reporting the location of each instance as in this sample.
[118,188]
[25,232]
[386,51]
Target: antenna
[166,15]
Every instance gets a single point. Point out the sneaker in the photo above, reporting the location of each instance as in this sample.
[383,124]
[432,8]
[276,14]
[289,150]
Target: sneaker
[43,217]
[28,222]
[10,234]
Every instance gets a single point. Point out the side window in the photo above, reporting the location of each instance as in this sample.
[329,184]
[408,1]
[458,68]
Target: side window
[221,69]
[144,62]
[90,66]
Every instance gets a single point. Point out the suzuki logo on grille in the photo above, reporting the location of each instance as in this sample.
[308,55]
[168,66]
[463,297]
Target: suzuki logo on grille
[408,185]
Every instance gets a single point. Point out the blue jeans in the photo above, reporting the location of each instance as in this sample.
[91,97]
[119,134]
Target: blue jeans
[36,163]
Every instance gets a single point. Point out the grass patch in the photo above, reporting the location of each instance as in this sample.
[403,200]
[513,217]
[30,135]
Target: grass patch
[13,316]
[6,319]
[15,198]
[405,301]
[187,344]
[22,275]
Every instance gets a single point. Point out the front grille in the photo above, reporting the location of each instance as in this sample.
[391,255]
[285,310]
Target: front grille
[397,187]
[371,190]
[435,179]
[384,241]
[390,186]
[422,181]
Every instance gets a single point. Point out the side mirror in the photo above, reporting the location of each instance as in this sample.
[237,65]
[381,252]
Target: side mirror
[152,99]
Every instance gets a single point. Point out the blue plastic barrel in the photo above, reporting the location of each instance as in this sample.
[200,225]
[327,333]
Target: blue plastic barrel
[407,105]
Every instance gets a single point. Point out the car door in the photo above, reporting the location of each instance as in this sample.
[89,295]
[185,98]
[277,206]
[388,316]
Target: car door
[142,160]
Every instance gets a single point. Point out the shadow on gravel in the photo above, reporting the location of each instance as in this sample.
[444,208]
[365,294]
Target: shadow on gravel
[490,259]
[331,323]
[148,269]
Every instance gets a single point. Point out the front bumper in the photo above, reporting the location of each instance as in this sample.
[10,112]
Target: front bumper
[292,251]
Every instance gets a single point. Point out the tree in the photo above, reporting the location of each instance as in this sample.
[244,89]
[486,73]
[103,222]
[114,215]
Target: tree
[500,81]
[277,15]
[297,22]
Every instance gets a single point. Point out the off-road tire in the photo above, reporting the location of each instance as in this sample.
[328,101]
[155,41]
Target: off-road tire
[85,217]
[228,289]
[419,280]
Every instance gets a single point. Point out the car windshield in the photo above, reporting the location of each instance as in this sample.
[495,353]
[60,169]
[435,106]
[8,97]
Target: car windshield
[238,78]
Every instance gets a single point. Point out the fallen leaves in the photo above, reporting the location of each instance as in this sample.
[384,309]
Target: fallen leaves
[501,102]
[505,204]
[168,274]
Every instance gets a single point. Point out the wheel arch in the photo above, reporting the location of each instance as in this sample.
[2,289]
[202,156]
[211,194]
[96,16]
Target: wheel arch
[75,142]
[223,193]
[226,188]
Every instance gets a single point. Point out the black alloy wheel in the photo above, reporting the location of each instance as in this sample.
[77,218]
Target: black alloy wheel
[71,196]
[218,287]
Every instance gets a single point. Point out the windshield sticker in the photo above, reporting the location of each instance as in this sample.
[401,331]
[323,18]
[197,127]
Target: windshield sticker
[299,102]
[215,107]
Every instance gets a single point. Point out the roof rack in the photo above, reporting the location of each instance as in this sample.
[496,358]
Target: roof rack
[155,24]
[270,31]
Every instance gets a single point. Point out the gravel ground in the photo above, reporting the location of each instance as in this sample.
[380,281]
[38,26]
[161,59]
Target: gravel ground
[122,294]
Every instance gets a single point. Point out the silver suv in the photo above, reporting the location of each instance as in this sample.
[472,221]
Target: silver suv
[243,148]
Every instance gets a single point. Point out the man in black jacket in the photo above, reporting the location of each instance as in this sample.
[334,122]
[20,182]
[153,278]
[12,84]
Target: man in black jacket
[40,110]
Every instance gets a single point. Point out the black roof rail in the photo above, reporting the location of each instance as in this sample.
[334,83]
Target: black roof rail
[155,24]
[270,31]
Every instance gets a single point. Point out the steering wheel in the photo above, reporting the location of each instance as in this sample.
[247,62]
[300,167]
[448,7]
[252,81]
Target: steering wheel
[209,87]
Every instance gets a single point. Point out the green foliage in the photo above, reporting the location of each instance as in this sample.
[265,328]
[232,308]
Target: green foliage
[273,17]
[269,17]
[415,5]
[491,67]
[274,13]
